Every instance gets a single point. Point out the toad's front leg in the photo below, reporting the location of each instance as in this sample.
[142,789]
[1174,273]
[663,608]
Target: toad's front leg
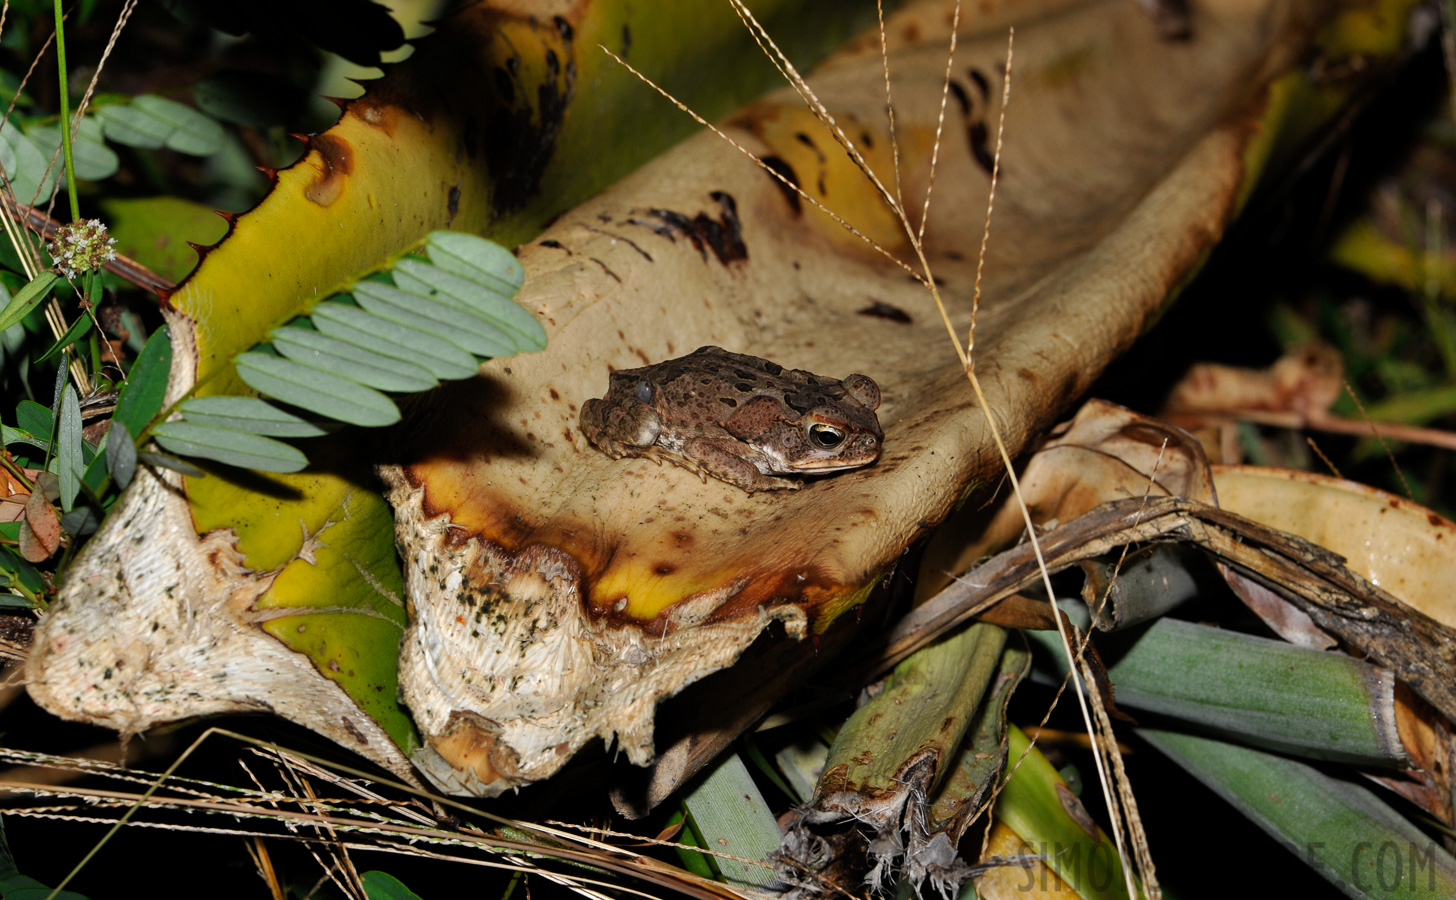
[710,457]
[624,428]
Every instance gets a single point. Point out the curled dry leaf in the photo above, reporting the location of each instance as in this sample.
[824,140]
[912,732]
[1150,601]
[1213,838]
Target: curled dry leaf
[14,494]
[40,530]
[1392,542]
[1306,381]
[1104,453]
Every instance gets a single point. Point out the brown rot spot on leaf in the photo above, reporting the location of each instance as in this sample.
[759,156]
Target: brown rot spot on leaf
[1076,811]
[533,122]
[882,310]
[786,172]
[724,236]
[335,162]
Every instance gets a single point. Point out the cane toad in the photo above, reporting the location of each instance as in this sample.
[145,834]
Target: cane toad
[744,420]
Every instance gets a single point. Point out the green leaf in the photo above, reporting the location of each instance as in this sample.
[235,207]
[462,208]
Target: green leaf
[151,122]
[495,307]
[90,155]
[1033,804]
[121,456]
[383,886]
[1270,693]
[731,815]
[251,414]
[316,390]
[350,361]
[146,384]
[132,127]
[74,333]
[35,420]
[10,436]
[16,572]
[68,449]
[236,448]
[1339,828]
[27,299]
[468,332]
[26,166]
[189,130]
[442,358]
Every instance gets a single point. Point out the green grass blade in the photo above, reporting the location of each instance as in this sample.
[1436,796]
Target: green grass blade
[1337,827]
[727,809]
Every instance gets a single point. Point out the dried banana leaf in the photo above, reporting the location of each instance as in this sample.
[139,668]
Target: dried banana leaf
[560,595]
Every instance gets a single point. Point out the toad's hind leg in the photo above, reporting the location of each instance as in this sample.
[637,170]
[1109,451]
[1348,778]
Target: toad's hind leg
[703,456]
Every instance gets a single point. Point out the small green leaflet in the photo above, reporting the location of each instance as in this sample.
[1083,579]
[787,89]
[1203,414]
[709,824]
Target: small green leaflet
[252,414]
[438,319]
[93,159]
[225,445]
[323,392]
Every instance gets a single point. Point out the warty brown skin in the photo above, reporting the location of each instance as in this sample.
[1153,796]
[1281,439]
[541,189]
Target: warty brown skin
[738,418]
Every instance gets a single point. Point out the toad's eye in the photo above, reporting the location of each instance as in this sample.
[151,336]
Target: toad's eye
[826,437]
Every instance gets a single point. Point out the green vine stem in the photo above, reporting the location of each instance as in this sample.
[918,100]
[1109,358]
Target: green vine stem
[66,111]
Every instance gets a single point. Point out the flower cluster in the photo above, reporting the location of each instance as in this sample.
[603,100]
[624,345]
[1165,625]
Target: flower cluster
[81,247]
